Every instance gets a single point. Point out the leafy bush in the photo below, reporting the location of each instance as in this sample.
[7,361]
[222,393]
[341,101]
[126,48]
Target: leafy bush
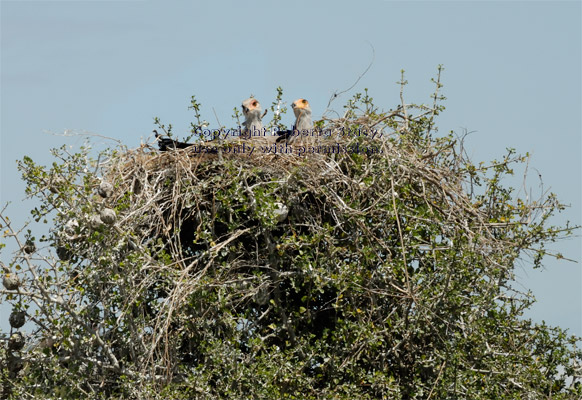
[341,275]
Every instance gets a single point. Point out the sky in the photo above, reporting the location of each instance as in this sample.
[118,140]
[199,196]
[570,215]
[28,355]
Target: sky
[512,77]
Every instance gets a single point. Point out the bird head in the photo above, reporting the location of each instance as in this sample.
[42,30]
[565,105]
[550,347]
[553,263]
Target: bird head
[251,107]
[301,106]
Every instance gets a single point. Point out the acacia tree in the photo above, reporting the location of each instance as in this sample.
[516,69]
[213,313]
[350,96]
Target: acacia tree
[377,265]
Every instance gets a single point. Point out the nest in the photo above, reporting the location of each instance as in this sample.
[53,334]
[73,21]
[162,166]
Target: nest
[219,220]
[214,256]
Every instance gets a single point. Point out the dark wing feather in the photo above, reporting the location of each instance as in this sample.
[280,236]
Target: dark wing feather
[284,135]
[165,144]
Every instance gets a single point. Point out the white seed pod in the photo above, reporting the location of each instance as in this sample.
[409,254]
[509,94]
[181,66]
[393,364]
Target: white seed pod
[108,216]
[17,319]
[281,211]
[95,222]
[71,228]
[105,189]
[11,281]
[16,341]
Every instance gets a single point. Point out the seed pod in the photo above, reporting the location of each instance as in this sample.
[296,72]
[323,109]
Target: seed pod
[108,216]
[63,253]
[95,222]
[105,189]
[281,212]
[11,281]
[71,228]
[16,341]
[14,364]
[17,319]
[29,247]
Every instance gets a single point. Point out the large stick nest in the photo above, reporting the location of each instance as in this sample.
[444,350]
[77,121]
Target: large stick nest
[198,260]
[241,224]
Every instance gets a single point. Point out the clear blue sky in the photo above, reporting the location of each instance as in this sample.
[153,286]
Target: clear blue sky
[512,75]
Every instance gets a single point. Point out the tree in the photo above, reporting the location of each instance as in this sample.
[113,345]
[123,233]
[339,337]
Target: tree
[376,261]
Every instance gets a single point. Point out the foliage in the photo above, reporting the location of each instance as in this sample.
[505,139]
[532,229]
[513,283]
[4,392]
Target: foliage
[357,274]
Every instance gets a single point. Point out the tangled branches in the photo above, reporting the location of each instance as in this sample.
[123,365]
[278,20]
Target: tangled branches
[370,261]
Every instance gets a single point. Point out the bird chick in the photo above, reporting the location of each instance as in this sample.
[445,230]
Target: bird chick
[253,113]
[303,122]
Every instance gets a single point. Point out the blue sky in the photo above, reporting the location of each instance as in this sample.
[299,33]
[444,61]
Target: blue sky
[512,75]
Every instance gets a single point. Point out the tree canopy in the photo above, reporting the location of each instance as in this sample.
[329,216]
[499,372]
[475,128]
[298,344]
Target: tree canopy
[382,268]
